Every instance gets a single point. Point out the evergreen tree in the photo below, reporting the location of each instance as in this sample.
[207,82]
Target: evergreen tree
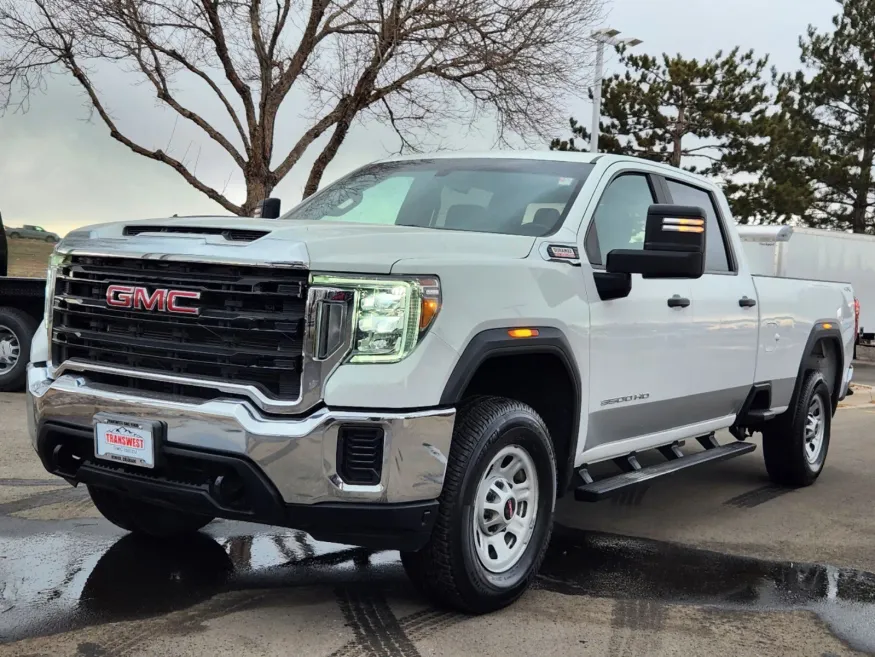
[681,111]
[829,109]
[778,164]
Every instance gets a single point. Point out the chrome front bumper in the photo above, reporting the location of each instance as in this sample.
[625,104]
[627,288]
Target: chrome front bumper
[298,455]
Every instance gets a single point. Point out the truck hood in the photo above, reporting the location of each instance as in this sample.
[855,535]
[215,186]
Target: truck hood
[317,245]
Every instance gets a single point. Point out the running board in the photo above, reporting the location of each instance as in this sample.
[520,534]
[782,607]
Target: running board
[603,488]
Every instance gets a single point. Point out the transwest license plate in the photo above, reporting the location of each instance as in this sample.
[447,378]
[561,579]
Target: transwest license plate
[125,441]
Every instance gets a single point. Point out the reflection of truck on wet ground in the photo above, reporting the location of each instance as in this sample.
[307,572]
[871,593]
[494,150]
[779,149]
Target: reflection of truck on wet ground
[826,255]
[22,305]
[425,354]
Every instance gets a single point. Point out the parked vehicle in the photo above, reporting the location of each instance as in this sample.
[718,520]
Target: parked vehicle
[826,254]
[426,354]
[22,306]
[33,233]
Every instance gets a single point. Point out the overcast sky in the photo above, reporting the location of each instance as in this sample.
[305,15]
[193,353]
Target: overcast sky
[59,170]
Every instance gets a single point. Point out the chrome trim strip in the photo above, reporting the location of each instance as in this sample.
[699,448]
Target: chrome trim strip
[186,248]
[299,456]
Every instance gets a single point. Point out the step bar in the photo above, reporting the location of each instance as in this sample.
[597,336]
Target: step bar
[635,474]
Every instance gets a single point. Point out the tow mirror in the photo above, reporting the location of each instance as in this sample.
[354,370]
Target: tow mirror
[674,245]
[269,208]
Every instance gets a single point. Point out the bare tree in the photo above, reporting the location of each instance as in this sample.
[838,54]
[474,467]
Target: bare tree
[413,64]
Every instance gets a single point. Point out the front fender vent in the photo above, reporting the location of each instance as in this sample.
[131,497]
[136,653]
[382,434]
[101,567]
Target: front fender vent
[360,454]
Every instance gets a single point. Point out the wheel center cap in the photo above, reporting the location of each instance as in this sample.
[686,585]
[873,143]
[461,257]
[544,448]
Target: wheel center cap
[509,508]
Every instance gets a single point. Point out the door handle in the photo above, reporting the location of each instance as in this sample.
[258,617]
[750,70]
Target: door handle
[747,302]
[678,301]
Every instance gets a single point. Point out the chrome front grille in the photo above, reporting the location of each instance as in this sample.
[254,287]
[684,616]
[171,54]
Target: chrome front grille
[250,328]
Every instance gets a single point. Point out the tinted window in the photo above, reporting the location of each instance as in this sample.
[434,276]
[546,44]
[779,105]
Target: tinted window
[516,197]
[716,258]
[620,217]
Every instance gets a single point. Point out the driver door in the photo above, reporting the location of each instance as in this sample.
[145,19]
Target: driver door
[639,354]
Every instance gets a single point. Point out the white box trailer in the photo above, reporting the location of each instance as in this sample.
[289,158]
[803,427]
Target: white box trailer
[812,253]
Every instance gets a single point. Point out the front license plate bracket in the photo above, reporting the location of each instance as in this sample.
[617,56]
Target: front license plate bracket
[128,440]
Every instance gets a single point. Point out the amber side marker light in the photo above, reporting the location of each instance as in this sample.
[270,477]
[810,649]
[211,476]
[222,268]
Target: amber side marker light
[523,333]
[826,325]
[427,313]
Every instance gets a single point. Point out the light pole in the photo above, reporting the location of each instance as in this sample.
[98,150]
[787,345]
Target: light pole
[602,37]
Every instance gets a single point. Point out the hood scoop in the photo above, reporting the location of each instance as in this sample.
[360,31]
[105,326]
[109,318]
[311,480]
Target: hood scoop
[230,234]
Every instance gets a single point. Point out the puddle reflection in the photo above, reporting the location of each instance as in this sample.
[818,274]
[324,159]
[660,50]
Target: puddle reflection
[59,576]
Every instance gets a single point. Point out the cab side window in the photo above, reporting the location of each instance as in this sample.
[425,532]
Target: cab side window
[619,217]
[716,256]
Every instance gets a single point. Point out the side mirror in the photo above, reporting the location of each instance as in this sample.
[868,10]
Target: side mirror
[674,245]
[269,208]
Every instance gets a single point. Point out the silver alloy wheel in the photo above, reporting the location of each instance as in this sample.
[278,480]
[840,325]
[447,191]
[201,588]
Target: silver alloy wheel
[814,430]
[505,509]
[10,349]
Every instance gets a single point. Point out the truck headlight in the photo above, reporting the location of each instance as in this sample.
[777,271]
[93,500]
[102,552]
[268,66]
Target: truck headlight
[390,315]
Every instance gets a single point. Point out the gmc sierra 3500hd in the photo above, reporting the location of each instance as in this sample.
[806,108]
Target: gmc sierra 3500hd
[425,354]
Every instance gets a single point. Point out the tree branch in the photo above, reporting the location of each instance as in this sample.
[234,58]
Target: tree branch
[158,155]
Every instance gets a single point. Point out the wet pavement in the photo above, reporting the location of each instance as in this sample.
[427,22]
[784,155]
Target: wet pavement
[66,575]
[72,584]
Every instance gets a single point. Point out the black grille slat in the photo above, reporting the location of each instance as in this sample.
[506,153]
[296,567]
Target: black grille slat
[182,339]
[256,332]
[204,319]
[98,340]
[252,286]
[250,328]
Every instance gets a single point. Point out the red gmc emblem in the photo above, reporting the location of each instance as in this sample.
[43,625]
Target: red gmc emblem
[139,298]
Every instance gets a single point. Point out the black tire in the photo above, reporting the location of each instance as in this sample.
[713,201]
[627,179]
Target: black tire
[49,238]
[784,438]
[22,326]
[448,570]
[15,236]
[139,517]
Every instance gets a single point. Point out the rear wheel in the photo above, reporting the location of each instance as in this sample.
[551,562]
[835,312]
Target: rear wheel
[496,509]
[796,443]
[140,517]
[16,331]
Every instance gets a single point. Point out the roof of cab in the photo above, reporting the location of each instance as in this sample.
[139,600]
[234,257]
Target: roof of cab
[556,156]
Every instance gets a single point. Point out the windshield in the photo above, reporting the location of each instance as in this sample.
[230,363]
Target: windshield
[514,197]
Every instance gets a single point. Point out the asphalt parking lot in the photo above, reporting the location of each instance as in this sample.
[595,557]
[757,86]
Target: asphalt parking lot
[715,561]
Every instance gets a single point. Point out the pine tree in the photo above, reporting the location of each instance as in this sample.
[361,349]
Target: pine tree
[777,187]
[830,107]
[680,111]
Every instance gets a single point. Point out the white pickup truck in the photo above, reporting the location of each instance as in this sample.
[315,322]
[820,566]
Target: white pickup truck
[425,355]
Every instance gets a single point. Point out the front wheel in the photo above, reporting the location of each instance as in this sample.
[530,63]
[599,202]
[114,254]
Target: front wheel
[496,509]
[795,444]
[139,517]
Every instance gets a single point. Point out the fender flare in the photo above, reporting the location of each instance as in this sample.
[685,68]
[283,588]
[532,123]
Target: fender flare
[493,343]
[820,332]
